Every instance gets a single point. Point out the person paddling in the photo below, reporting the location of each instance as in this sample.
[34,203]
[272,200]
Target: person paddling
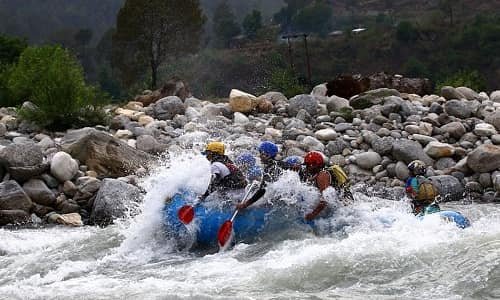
[420,189]
[322,178]
[225,174]
[271,172]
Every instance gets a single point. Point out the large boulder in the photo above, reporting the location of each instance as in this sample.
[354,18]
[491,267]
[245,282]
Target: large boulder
[407,151]
[346,86]
[495,96]
[112,201]
[273,97]
[39,192]
[336,103]
[14,217]
[449,187]
[23,161]
[306,102]
[63,166]
[166,108]
[13,197]
[242,102]
[374,97]
[485,158]
[102,153]
[419,86]
[468,93]
[175,87]
[149,144]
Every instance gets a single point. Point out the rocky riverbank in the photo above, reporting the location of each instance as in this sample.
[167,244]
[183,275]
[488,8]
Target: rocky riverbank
[90,175]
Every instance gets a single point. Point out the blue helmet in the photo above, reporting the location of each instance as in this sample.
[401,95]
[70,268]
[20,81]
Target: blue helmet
[254,173]
[246,158]
[293,161]
[268,148]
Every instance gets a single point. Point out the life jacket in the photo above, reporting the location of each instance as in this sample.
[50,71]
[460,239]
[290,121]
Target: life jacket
[235,179]
[339,177]
[421,190]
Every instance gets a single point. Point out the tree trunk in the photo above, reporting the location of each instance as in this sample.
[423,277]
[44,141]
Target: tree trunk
[154,74]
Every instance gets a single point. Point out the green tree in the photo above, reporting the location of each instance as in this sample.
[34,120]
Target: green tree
[150,32]
[52,79]
[315,18]
[10,49]
[285,16]
[225,26]
[252,23]
[447,7]
[406,32]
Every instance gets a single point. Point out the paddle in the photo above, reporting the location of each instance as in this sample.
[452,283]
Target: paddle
[186,214]
[224,234]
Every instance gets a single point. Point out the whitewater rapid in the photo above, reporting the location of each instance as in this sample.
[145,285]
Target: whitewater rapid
[367,257]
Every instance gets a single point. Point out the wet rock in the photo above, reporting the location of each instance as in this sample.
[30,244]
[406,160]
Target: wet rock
[67,207]
[306,102]
[168,107]
[407,151]
[63,166]
[103,153]
[13,197]
[14,217]
[70,219]
[368,160]
[112,201]
[449,187]
[150,145]
[39,192]
[485,158]
[41,210]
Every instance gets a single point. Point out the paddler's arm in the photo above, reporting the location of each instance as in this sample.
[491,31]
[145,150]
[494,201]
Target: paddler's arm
[254,198]
[322,182]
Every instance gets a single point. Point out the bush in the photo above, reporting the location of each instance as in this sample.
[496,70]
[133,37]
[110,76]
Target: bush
[470,79]
[406,32]
[53,80]
[283,80]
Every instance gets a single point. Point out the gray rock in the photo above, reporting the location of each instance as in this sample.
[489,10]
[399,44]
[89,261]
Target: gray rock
[383,146]
[13,197]
[112,201]
[39,192]
[468,93]
[307,102]
[14,217]
[454,129]
[343,127]
[401,170]
[41,210]
[193,102]
[484,129]
[438,150]
[407,151]
[21,155]
[119,122]
[166,108]
[336,147]
[368,160]
[495,96]
[445,163]
[336,103]
[103,153]
[312,144]
[274,97]
[495,139]
[485,180]
[496,182]
[50,181]
[304,116]
[63,166]
[450,93]
[458,108]
[494,119]
[372,97]
[69,188]
[327,134]
[149,144]
[485,158]
[449,187]
[88,184]
[3,129]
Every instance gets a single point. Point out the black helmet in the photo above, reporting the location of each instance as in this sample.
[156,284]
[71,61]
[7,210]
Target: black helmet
[417,167]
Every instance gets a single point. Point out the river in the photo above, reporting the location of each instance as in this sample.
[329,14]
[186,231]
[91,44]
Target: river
[409,259]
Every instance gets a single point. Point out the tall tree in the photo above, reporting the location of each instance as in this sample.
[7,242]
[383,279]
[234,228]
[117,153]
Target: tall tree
[150,32]
[447,7]
[225,25]
[252,23]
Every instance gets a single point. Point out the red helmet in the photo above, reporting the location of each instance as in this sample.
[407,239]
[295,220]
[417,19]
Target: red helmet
[314,159]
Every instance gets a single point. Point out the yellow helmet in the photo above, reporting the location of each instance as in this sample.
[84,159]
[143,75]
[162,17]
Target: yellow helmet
[216,147]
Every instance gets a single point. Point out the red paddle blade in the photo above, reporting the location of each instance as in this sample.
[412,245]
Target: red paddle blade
[225,233]
[186,214]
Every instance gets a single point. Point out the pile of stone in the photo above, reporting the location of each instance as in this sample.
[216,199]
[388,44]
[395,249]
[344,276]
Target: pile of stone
[373,135]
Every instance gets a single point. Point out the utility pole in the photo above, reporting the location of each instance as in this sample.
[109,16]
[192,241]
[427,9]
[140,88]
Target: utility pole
[308,62]
[290,52]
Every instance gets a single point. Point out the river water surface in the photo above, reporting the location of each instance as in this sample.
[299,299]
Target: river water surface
[367,258]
